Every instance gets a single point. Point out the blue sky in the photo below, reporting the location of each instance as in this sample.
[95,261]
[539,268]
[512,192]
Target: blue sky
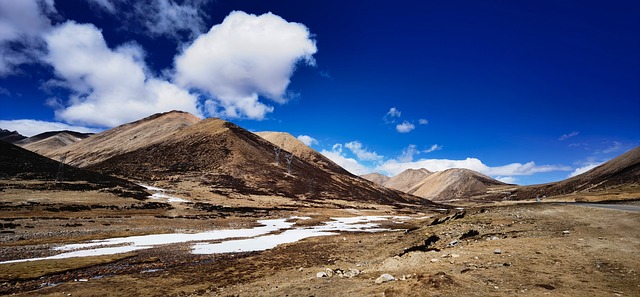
[527,92]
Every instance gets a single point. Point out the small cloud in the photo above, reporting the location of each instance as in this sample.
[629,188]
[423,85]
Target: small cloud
[423,121]
[326,75]
[391,115]
[405,127]
[408,153]
[4,91]
[583,169]
[433,148]
[507,179]
[567,136]
[349,164]
[307,140]
[362,153]
[615,147]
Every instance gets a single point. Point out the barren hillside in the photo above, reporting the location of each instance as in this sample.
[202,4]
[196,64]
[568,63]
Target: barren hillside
[453,184]
[47,142]
[376,178]
[291,144]
[407,179]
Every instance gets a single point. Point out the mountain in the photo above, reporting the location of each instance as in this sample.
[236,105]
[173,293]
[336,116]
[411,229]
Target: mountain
[125,138]
[10,136]
[407,179]
[178,147]
[18,164]
[376,178]
[47,142]
[291,144]
[452,184]
[622,170]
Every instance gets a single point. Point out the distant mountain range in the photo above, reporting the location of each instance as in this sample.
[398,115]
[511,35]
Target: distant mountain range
[464,184]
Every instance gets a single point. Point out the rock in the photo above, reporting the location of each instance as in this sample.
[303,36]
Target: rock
[434,260]
[351,272]
[455,256]
[321,274]
[497,252]
[453,243]
[566,232]
[329,272]
[385,278]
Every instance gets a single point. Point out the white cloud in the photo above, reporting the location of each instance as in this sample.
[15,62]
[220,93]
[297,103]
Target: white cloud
[423,121]
[405,127]
[614,147]
[391,115]
[158,17]
[567,136]
[22,22]
[433,148]
[507,179]
[349,164]
[362,153]
[33,127]
[394,167]
[110,87]
[583,169]
[243,58]
[408,153]
[307,140]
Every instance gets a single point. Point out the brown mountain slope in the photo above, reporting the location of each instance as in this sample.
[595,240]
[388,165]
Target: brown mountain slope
[221,156]
[622,170]
[452,184]
[376,178]
[407,179]
[125,138]
[18,164]
[47,142]
[291,144]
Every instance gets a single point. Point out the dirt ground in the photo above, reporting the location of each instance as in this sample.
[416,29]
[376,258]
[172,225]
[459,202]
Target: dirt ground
[529,249]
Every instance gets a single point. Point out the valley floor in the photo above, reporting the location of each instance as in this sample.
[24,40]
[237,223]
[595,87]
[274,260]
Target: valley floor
[532,249]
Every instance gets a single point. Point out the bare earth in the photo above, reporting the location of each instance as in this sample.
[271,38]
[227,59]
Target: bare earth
[529,249]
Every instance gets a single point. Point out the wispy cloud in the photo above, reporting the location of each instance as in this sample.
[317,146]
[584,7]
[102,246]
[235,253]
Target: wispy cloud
[391,115]
[361,152]
[423,121]
[433,148]
[405,127]
[569,135]
[583,169]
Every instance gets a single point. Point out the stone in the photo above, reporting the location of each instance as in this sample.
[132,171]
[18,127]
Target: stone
[351,272]
[321,274]
[434,260]
[566,232]
[497,251]
[329,272]
[385,278]
[453,243]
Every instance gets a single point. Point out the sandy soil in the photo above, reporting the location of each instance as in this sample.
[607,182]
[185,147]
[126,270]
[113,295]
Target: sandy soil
[530,249]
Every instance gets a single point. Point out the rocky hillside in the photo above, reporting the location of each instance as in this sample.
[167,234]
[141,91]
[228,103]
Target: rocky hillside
[453,184]
[376,178]
[47,142]
[178,147]
[10,136]
[407,179]
[18,164]
[291,144]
